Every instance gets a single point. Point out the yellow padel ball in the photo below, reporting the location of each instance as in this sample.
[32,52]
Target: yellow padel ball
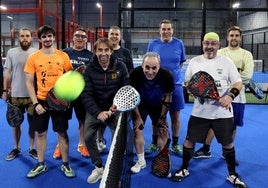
[69,86]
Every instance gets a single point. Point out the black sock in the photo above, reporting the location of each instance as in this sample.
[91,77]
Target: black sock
[175,140]
[206,147]
[65,163]
[41,163]
[186,157]
[230,159]
[154,137]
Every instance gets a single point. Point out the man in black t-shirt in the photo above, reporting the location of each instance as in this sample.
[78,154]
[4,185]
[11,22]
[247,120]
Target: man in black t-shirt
[155,86]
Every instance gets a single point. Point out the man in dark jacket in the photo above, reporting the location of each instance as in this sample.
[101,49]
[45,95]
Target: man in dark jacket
[104,76]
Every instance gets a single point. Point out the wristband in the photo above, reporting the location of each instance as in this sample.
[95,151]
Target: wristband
[35,105]
[233,93]
[4,90]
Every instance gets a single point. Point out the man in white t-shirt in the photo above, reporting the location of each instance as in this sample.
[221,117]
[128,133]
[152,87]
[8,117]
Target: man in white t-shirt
[243,60]
[211,114]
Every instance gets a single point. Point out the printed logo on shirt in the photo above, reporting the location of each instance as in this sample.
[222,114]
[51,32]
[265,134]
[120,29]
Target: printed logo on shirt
[114,76]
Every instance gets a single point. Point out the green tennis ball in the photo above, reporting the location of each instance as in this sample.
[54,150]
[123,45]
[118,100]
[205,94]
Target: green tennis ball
[69,86]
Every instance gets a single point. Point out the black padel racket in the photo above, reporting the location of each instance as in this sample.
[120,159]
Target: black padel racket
[126,99]
[202,85]
[14,115]
[56,104]
[255,88]
[161,164]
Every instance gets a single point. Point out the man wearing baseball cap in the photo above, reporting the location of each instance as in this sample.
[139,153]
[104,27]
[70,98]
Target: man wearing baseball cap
[211,114]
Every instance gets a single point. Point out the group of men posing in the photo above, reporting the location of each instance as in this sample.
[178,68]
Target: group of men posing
[158,80]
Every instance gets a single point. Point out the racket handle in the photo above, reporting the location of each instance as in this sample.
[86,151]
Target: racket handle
[113,108]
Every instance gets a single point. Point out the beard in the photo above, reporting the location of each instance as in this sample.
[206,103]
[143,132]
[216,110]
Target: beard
[234,43]
[25,45]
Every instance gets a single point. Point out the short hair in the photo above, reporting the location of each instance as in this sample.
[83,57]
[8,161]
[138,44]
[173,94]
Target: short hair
[115,27]
[25,29]
[234,28]
[151,54]
[45,29]
[81,29]
[166,22]
[102,40]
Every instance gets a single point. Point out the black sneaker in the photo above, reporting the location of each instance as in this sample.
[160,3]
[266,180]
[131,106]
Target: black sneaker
[33,153]
[180,174]
[236,181]
[201,153]
[236,161]
[13,154]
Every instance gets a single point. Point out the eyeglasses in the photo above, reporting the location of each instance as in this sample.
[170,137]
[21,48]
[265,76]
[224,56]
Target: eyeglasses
[45,36]
[80,36]
[212,43]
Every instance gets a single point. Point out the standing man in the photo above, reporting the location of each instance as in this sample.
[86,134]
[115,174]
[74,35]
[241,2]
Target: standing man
[172,56]
[211,114]
[104,76]
[155,86]
[243,60]
[15,89]
[42,69]
[123,55]
[80,57]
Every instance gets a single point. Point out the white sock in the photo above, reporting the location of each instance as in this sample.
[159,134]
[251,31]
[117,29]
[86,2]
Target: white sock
[141,157]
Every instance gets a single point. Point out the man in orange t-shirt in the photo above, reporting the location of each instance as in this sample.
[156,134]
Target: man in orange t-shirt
[42,69]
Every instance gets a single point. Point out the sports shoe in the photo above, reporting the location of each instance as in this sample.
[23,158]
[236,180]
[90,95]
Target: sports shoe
[151,149]
[57,153]
[176,149]
[33,153]
[37,170]
[13,154]
[138,166]
[201,153]
[95,175]
[101,144]
[180,174]
[236,161]
[82,149]
[236,181]
[68,171]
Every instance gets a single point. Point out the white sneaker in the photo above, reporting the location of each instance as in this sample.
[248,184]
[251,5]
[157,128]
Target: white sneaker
[138,166]
[101,144]
[95,175]
[236,181]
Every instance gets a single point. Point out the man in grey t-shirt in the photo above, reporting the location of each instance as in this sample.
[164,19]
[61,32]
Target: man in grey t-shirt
[15,90]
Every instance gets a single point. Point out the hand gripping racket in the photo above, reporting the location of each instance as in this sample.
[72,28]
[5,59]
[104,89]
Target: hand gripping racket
[161,164]
[126,99]
[202,85]
[256,89]
[56,104]
[14,115]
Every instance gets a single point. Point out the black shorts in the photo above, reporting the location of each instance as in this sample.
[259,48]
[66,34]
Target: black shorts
[153,112]
[79,109]
[59,120]
[198,129]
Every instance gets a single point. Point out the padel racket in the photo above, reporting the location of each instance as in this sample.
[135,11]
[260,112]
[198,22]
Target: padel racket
[56,104]
[202,85]
[14,115]
[255,88]
[161,164]
[126,99]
